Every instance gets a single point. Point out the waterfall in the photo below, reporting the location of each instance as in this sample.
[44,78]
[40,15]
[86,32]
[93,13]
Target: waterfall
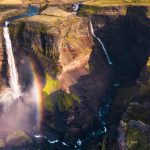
[13,81]
[76,7]
[103,47]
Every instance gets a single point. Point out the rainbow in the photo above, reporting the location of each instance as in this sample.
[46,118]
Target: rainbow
[37,91]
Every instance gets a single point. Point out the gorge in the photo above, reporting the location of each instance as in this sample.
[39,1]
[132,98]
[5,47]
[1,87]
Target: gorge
[76,80]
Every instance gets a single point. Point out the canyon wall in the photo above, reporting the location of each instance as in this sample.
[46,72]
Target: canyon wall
[75,73]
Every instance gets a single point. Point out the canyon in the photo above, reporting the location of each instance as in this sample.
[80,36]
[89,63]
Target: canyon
[91,69]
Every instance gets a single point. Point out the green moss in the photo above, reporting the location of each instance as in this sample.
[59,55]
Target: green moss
[65,100]
[51,85]
[42,28]
[48,104]
[89,10]
[145,89]
[136,140]
[117,2]
[62,100]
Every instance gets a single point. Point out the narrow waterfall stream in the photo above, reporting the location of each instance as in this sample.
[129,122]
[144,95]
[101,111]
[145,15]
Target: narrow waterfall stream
[103,47]
[13,81]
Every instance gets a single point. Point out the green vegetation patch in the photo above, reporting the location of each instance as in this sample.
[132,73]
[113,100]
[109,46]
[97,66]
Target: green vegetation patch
[42,28]
[60,99]
[136,140]
[89,10]
[65,100]
[51,85]
[115,2]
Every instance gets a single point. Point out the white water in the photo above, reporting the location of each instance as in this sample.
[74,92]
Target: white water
[13,81]
[103,47]
[76,7]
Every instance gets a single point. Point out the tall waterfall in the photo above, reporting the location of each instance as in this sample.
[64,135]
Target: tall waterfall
[103,47]
[13,81]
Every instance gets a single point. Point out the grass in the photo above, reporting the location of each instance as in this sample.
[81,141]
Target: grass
[137,140]
[11,2]
[87,2]
[64,101]
[51,85]
[116,2]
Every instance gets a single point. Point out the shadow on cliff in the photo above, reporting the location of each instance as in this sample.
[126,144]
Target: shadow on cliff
[126,39]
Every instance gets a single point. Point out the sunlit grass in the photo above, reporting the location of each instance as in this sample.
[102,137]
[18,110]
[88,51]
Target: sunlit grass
[51,85]
[11,2]
[117,2]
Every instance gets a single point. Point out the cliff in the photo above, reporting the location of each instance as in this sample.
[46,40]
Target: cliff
[76,76]
[134,130]
[76,69]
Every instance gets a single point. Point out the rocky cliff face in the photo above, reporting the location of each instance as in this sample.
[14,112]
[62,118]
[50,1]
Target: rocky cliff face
[124,35]
[74,65]
[75,73]
[134,130]
[127,40]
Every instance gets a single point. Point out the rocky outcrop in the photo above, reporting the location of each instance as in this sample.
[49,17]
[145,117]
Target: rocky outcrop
[15,139]
[127,47]
[18,138]
[135,120]
[75,66]
[118,31]
[134,135]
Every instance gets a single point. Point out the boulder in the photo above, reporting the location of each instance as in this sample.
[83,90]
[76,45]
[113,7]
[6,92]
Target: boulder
[18,138]
[2,144]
